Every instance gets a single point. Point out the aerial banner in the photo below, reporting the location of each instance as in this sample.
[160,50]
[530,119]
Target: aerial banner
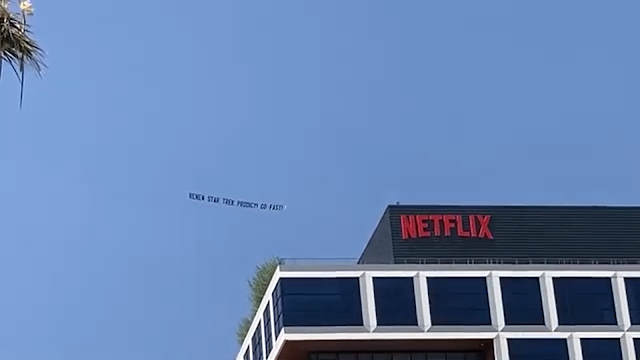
[218,200]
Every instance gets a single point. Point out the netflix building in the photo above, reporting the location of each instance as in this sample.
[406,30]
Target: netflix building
[465,283]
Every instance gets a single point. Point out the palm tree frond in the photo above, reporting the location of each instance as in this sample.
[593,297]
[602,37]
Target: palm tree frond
[17,43]
[18,48]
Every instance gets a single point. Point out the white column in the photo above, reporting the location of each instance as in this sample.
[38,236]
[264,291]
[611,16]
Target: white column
[500,347]
[549,302]
[628,350]
[368,301]
[575,348]
[272,324]
[495,301]
[422,301]
[622,305]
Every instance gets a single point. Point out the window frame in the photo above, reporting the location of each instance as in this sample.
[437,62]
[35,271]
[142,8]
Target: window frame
[404,313]
[573,296]
[456,301]
[321,302]
[510,301]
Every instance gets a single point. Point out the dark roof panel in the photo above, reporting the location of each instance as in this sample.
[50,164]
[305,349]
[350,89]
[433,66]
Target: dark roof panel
[435,233]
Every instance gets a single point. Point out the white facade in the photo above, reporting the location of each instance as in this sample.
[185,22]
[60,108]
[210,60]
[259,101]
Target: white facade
[499,332]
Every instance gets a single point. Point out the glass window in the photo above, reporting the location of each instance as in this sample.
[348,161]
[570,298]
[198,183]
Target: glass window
[395,301]
[636,345]
[538,349]
[318,302]
[256,342]
[599,349]
[522,301]
[266,320]
[633,297]
[278,321]
[584,301]
[247,354]
[459,301]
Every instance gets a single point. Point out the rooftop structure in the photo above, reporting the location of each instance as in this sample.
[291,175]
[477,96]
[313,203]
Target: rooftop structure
[511,234]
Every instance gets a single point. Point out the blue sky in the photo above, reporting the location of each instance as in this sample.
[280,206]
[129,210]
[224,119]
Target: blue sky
[336,108]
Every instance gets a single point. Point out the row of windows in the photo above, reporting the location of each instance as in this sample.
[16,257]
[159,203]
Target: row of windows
[276,300]
[268,343]
[452,301]
[256,338]
[256,343]
[400,356]
[557,349]
[519,349]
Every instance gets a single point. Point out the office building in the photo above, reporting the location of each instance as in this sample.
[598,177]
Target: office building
[465,283]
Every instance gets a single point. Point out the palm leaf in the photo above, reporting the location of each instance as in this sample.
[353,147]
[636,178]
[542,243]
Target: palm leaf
[17,46]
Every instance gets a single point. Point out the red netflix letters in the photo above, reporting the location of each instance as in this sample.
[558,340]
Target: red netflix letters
[424,226]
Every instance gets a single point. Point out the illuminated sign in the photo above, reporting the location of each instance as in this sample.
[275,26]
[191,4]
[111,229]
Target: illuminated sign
[464,226]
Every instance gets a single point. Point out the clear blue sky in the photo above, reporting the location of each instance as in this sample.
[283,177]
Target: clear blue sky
[336,108]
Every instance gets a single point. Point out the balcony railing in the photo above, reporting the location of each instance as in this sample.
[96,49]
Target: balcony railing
[465,261]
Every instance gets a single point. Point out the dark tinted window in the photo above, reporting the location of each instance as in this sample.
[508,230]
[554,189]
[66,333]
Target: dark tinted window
[266,320]
[395,301]
[538,349]
[247,355]
[459,301]
[320,301]
[256,343]
[633,297]
[278,319]
[600,349]
[636,345]
[584,301]
[522,301]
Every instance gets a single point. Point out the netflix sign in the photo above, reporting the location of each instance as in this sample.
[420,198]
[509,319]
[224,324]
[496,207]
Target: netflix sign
[446,225]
